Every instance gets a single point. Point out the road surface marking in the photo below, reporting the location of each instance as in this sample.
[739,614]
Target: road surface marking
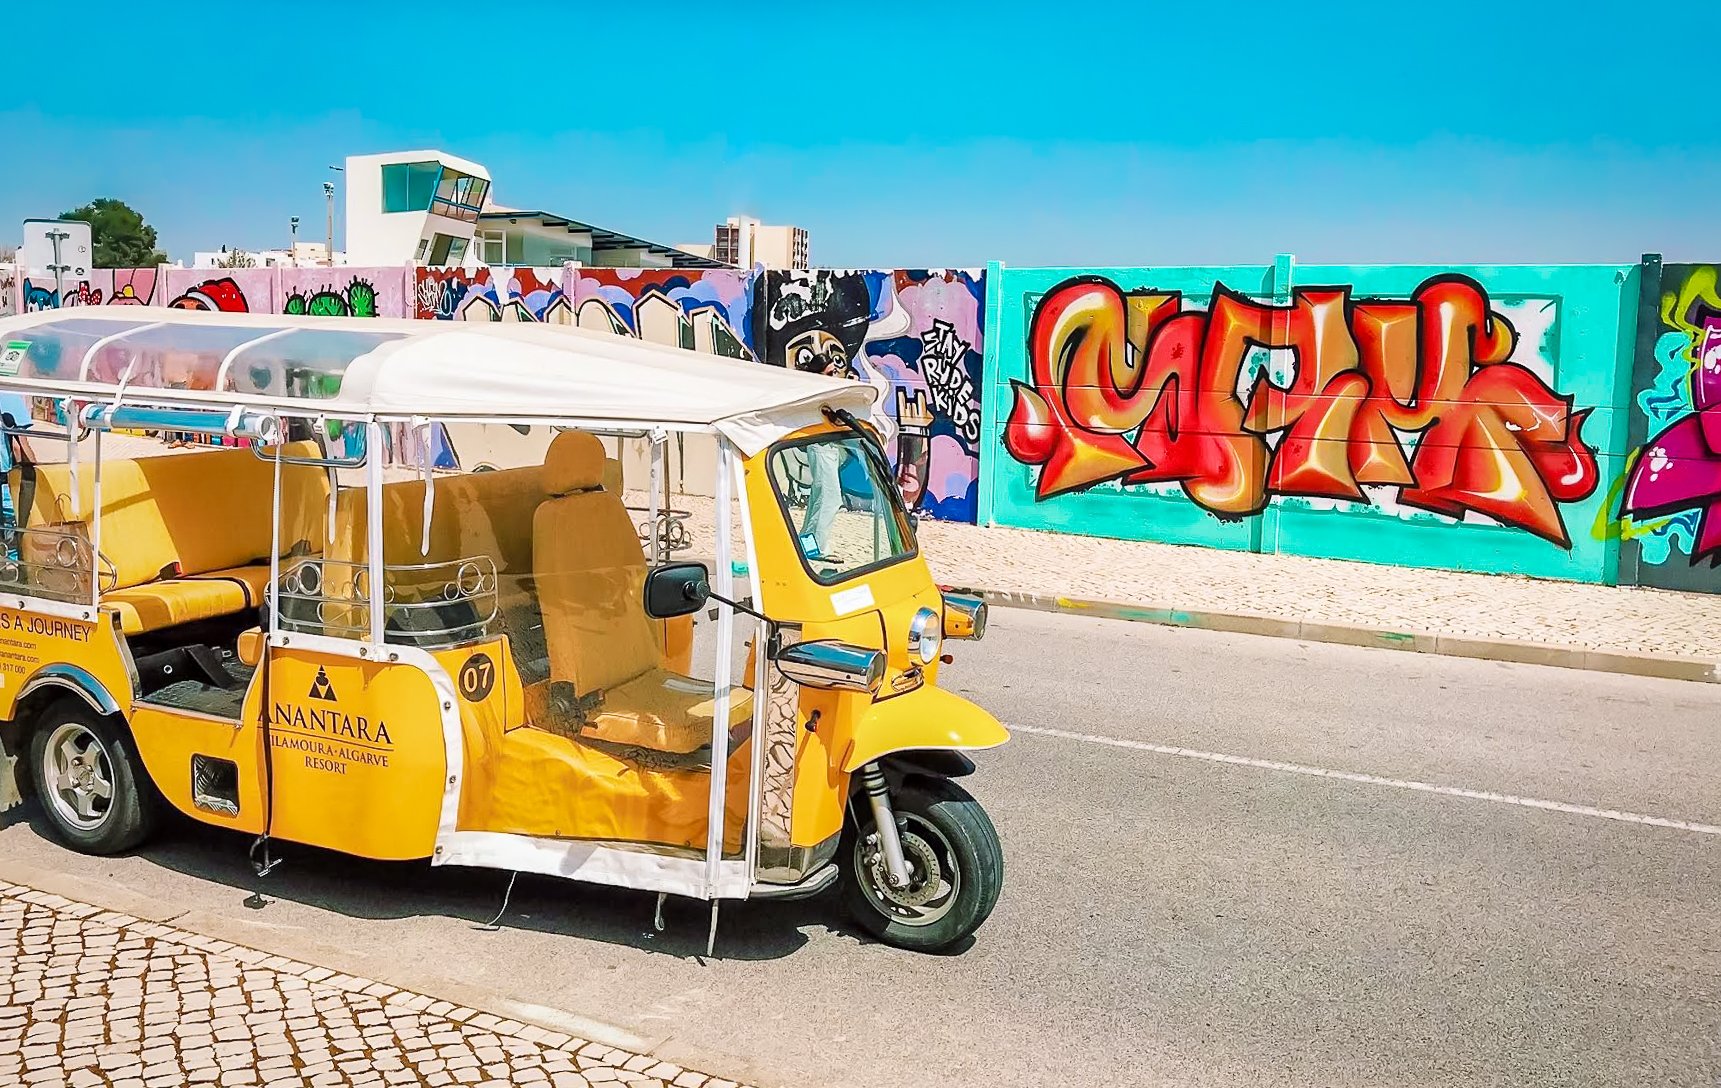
[1374,780]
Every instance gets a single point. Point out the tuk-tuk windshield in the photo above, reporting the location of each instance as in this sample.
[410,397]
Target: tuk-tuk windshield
[843,507]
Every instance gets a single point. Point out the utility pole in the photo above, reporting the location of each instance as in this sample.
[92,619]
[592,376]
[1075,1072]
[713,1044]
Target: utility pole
[293,244]
[329,196]
[59,268]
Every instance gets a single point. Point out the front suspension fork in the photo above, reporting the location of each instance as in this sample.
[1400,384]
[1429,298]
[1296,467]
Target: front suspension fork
[884,823]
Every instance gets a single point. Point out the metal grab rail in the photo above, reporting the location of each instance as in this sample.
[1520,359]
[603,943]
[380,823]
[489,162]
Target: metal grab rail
[423,603]
[52,562]
[670,530]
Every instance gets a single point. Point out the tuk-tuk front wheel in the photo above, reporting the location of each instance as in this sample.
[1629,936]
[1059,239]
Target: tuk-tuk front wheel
[89,780]
[955,861]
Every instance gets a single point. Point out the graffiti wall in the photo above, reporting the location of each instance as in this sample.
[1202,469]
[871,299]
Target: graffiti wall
[702,310]
[1458,418]
[325,292]
[915,335]
[342,292]
[228,290]
[1668,499]
[102,287]
[491,294]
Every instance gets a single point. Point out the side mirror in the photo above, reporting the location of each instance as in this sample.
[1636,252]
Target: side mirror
[676,589]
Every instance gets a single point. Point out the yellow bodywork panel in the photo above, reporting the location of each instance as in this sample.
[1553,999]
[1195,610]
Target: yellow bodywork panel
[357,753]
[167,739]
[31,641]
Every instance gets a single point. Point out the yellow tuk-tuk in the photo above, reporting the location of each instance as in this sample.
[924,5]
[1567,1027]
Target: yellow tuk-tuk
[249,581]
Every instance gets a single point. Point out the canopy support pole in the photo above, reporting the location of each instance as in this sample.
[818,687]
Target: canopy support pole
[373,527]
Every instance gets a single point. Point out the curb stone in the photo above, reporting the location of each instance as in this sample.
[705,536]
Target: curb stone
[1703,670]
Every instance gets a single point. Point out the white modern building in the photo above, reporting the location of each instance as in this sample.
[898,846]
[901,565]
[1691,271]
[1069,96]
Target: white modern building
[435,208]
[413,206]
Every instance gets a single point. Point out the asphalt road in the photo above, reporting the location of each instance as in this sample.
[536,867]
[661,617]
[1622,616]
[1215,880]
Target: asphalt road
[1170,917]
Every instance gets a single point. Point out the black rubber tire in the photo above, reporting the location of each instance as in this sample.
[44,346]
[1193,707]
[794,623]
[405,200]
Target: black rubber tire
[135,808]
[974,844]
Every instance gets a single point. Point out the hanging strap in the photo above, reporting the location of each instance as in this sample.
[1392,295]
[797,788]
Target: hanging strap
[73,425]
[25,497]
[421,428]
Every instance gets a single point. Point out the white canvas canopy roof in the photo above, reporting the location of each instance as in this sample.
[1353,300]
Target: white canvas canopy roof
[360,368]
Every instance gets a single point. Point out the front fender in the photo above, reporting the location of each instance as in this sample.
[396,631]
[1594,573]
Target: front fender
[929,718]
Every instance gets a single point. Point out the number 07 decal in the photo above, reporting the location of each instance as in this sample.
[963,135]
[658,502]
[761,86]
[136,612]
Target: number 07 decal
[477,677]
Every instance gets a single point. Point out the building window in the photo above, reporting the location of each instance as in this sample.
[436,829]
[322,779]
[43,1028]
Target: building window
[492,247]
[726,248]
[409,186]
[446,249]
[459,196]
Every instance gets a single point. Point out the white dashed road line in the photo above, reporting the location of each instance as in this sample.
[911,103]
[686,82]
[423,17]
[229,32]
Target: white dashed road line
[1374,780]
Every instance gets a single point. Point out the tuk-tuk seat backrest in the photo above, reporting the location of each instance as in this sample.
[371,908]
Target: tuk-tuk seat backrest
[188,534]
[589,569]
[205,511]
[475,514]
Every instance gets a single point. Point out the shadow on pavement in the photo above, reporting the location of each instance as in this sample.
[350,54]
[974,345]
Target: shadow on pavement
[381,890]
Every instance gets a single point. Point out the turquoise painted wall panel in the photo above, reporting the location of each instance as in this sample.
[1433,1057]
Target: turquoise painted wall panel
[1465,418]
[1668,502]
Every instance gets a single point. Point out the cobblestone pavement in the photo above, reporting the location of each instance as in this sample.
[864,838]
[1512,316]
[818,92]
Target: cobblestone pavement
[91,997]
[1334,591]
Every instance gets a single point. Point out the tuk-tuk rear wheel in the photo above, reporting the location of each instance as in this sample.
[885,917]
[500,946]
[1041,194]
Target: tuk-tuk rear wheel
[941,827]
[89,780]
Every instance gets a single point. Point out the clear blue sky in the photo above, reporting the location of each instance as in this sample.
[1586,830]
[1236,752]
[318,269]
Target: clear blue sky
[908,134]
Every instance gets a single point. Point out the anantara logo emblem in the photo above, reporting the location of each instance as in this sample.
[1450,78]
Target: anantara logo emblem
[321,688]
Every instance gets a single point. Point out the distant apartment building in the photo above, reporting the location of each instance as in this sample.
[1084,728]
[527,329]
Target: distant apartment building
[742,241]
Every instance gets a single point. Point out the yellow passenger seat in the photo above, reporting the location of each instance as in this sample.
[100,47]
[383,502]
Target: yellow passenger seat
[589,569]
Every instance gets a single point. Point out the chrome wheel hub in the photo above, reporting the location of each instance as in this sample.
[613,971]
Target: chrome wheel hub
[78,775]
[934,879]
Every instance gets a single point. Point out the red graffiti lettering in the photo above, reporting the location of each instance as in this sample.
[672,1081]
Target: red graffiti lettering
[1416,394]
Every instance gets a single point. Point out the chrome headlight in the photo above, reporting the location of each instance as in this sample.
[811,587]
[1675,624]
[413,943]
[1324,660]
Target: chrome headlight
[964,616]
[827,663]
[925,636]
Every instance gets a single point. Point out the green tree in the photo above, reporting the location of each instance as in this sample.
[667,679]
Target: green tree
[119,235]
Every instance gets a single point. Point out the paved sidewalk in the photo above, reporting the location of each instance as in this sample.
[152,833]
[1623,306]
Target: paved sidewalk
[91,997]
[1186,583]
[1327,590]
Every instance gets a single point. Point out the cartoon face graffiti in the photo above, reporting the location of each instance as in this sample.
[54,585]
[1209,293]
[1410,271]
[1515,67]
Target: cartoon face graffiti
[819,324]
[819,352]
[222,295]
